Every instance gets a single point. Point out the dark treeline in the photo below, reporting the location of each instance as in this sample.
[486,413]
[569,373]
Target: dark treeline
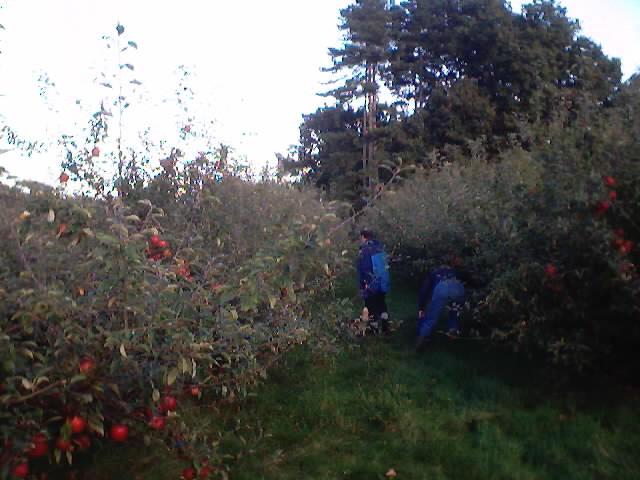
[434,81]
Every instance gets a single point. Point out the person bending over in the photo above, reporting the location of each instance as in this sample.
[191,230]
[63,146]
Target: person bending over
[444,286]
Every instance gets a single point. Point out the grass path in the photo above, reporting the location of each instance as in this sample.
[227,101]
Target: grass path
[456,411]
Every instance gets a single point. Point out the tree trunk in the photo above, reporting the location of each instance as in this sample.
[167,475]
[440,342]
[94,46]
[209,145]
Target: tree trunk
[369,167]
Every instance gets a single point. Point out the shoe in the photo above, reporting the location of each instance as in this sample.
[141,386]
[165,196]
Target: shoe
[384,322]
[422,342]
[454,333]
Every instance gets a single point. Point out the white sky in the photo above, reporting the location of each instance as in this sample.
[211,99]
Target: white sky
[256,62]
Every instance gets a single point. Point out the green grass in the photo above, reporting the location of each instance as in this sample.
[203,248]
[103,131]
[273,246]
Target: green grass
[456,411]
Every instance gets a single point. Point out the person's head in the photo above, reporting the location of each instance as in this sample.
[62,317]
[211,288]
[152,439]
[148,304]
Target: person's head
[451,260]
[366,235]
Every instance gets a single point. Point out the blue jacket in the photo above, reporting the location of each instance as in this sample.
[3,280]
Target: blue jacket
[365,267]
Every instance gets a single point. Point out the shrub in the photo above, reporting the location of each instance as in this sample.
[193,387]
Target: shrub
[555,247]
[110,306]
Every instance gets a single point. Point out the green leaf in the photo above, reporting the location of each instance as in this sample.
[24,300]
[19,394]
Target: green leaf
[171,376]
[77,378]
[272,301]
[185,365]
[84,397]
[96,425]
[107,239]
[65,431]
[27,353]
[115,389]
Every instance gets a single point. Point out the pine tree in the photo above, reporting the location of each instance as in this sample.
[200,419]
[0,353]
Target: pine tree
[365,54]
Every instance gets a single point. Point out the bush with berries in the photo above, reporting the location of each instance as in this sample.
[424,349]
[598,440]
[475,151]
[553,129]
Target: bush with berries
[552,235]
[113,311]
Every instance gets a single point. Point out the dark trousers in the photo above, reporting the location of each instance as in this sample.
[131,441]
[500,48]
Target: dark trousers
[376,304]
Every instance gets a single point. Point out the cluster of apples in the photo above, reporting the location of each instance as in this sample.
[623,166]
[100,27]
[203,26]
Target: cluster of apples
[157,248]
[621,244]
[605,205]
[72,437]
[183,269]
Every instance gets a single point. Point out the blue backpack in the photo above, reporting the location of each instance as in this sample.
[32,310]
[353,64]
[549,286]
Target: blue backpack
[381,281]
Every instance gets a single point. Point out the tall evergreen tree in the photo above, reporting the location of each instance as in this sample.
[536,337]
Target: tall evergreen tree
[472,76]
[365,53]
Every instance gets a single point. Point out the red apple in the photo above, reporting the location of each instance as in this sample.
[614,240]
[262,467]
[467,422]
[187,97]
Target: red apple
[626,247]
[613,195]
[63,445]
[86,366]
[609,181]
[155,240]
[206,470]
[168,403]
[195,391]
[83,441]
[39,446]
[550,270]
[64,178]
[119,433]
[162,244]
[77,424]
[602,207]
[624,267]
[188,474]
[21,470]
[157,422]
[95,152]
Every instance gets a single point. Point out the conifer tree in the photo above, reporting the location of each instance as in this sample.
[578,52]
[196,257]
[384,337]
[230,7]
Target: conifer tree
[365,54]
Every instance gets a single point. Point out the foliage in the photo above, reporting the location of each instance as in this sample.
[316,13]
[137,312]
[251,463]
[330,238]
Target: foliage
[552,234]
[457,411]
[460,75]
[228,292]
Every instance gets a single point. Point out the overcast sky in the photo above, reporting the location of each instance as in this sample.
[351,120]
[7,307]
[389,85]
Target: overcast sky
[256,63]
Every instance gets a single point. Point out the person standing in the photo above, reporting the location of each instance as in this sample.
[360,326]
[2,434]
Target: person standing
[374,278]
